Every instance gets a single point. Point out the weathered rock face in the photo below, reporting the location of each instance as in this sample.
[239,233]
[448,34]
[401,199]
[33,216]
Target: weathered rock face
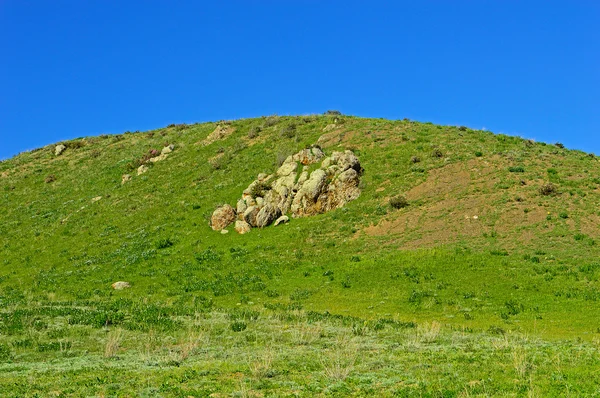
[222,217]
[293,188]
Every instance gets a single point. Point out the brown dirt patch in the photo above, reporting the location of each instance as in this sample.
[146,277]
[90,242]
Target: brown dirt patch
[459,201]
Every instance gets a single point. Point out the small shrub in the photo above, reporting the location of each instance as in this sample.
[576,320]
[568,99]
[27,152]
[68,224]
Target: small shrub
[333,113]
[463,128]
[238,326]
[548,189]
[74,144]
[415,159]
[559,145]
[478,154]
[164,243]
[398,202]
[563,215]
[259,189]
[514,307]
[5,353]
[437,153]
[288,131]
[50,178]
[253,133]
[271,120]
[516,169]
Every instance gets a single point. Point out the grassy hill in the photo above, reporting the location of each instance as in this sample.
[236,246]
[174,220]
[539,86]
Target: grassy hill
[485,284]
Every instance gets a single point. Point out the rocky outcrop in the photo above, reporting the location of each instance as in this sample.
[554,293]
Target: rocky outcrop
[299,188]
[222,217]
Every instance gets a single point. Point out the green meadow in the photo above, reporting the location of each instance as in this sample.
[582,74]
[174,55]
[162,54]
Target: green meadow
[484,282]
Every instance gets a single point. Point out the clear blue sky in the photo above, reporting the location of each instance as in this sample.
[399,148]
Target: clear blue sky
[79,68]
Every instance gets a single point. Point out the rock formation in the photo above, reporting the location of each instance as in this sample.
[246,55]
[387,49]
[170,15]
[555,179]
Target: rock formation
[295,188]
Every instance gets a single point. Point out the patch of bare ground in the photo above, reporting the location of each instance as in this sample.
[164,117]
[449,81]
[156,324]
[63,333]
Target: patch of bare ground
[463,200]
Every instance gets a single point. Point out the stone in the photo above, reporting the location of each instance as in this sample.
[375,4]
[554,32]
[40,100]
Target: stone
[242,227]
[266,215]
[224,232]
[260,201]
[241,206]
[308,156]
[287,168]
[314,185]
[120,285]
[142,169]
[125,178]
[250,215]
[168,149]
[222,217]
[159,158]
[97,198]
[59,149]
[281,220]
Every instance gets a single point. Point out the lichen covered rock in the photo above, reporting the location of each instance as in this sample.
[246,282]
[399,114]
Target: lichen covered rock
[222,217]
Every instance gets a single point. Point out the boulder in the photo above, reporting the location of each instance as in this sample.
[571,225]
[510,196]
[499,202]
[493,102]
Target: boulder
[59,149]
[282,220]
[314,185]
[168,149]
[266,216]
[120,285]
[242,227]
[142,169]
[159,158]
[250,215]
[222,217]
[287,168]
[308,156]
[241,206]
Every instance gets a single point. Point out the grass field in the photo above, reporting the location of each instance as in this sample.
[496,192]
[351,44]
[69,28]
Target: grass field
[486,284]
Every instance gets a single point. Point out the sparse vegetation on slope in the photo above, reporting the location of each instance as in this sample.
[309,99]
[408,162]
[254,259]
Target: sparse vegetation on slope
[485,284]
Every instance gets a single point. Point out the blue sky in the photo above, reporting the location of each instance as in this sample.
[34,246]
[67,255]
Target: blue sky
[80,68]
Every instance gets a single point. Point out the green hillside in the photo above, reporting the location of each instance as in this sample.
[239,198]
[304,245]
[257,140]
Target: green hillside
[486,283]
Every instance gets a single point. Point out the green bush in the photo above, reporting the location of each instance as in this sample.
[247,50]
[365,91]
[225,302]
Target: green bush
[437,153]
[398,202]
[548,189]
[238,326]
[516,169]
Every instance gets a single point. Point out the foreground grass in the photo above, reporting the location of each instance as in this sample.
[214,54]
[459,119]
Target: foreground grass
[299,353]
